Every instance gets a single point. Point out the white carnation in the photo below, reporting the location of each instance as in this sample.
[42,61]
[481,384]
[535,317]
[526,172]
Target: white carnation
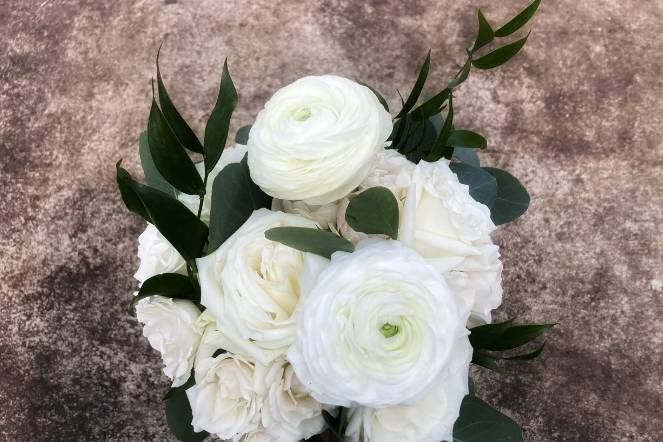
[157,255]
[316,139]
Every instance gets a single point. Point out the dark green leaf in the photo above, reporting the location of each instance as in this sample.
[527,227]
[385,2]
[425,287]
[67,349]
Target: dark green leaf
[234,198]
[483,335]
[374,211]
[179,416]
[485,33]
[483,186]
[500,55]
[190,382]
[169,156]
[462,75]
[152,175]
[466,138]
[332,423]
[440,148]
[479,422]
[218,352]
[169,285]
[518,335]
[471,386]
[431,106]
[320,242]
[400,131]
[417,88]
[486,361]
[527,356]
[182,130]
[467,156]
[218,124]
[378,95]
[242,136]
[519,20]
[512,199]
[173,219]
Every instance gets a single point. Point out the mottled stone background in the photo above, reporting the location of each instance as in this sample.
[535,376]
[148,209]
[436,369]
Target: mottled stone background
[577,117]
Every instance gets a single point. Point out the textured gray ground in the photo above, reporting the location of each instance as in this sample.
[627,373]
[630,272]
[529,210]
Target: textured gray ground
[578,117]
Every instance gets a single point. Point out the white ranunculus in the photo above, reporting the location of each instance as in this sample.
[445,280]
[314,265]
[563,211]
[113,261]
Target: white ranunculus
[227,397]
[231,154]
[157,255]
[289,412]
[171,326]
[377,328]
[252,286]
[429,420]
[316,139]
[257,435]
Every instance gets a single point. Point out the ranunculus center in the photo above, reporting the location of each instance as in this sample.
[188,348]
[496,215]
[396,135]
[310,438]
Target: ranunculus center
[388,330]
[302,114]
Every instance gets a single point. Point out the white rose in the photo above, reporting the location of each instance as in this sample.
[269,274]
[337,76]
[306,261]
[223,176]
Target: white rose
[324,216]
[252,286]
[289,412]
[428,420]
[227,397]
[171,327]
[157,256]
[316,139]
[258,435]
[377,328]
[231,154]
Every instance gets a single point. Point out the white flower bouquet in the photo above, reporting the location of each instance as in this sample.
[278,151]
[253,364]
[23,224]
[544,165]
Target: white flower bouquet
[331,275]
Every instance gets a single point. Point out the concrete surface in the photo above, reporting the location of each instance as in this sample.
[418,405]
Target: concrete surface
[578,117]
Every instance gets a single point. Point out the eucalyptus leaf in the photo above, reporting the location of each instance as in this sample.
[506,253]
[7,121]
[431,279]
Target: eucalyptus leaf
[182,130]
[483,335]
[483,186]
[512,199]
[485,33]
[440,147]
[500,55]
[517,335]
[519,20]
[152,176]
[479,422]
[378,95]
[234,198]
[218,124]
[168,285]
[417,88]
[179,417]
[242,135]
[374,211]
[467,156]
[169,156]
[320,242]
[466,138]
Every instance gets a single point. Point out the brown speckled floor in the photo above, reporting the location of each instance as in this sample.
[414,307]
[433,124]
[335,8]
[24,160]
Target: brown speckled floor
[578,117]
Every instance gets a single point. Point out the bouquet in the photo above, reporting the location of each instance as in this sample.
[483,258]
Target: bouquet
[330,275]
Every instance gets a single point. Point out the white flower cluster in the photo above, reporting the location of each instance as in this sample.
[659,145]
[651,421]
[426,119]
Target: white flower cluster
[381,331]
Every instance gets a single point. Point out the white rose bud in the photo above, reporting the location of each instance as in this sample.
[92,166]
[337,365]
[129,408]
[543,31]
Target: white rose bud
[252,286]
[316,139]
[378,328]
[171,327]
[157,256]
[289,413]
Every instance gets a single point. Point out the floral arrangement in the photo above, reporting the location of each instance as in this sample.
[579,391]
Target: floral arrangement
[331,275]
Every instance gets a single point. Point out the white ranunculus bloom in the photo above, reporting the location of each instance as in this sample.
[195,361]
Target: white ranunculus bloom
[171,326]
[252,286]
[231,154]
[377,328]
[258,435]
[289,412]
[429,420]
[157,255]
[227,397]
[316,139]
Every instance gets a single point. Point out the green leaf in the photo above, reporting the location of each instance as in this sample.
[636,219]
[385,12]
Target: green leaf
[182,130]
[332,423]
[169,156]
[467,156]
[483,335]
[517,335]
[466,138]
[440,148]
[483,186]
[378,95]
[152,175]
[242,135]
[190,382]
[500,55]
[479,422]
[485,33]
[519,20]
[174,220]
[218,124]
[471,386]
[431,106]
[462,75]
[512,199]
[320,242]
[527,356]
[179,417]
[234,198]
[486,361]
[417,88]
[374,211]
[168,285]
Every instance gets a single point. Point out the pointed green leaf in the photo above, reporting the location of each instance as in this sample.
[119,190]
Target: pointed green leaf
[486,361]
[182,130]
[483,335]
[479,422]
[417,88]
[500,55]
[168,285]
[320,242]
[218,124]
[466,138]
[242,136]
[169,156]
[518,335]
[129,197]
[527,356]
[519,20]
[234,198]
[431,106]
[152,176]
[485,33]
[512,199]
[462,75]
[483,186]
[440,148]
[467,156]
[179,417]
[374,211]
[378,95]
